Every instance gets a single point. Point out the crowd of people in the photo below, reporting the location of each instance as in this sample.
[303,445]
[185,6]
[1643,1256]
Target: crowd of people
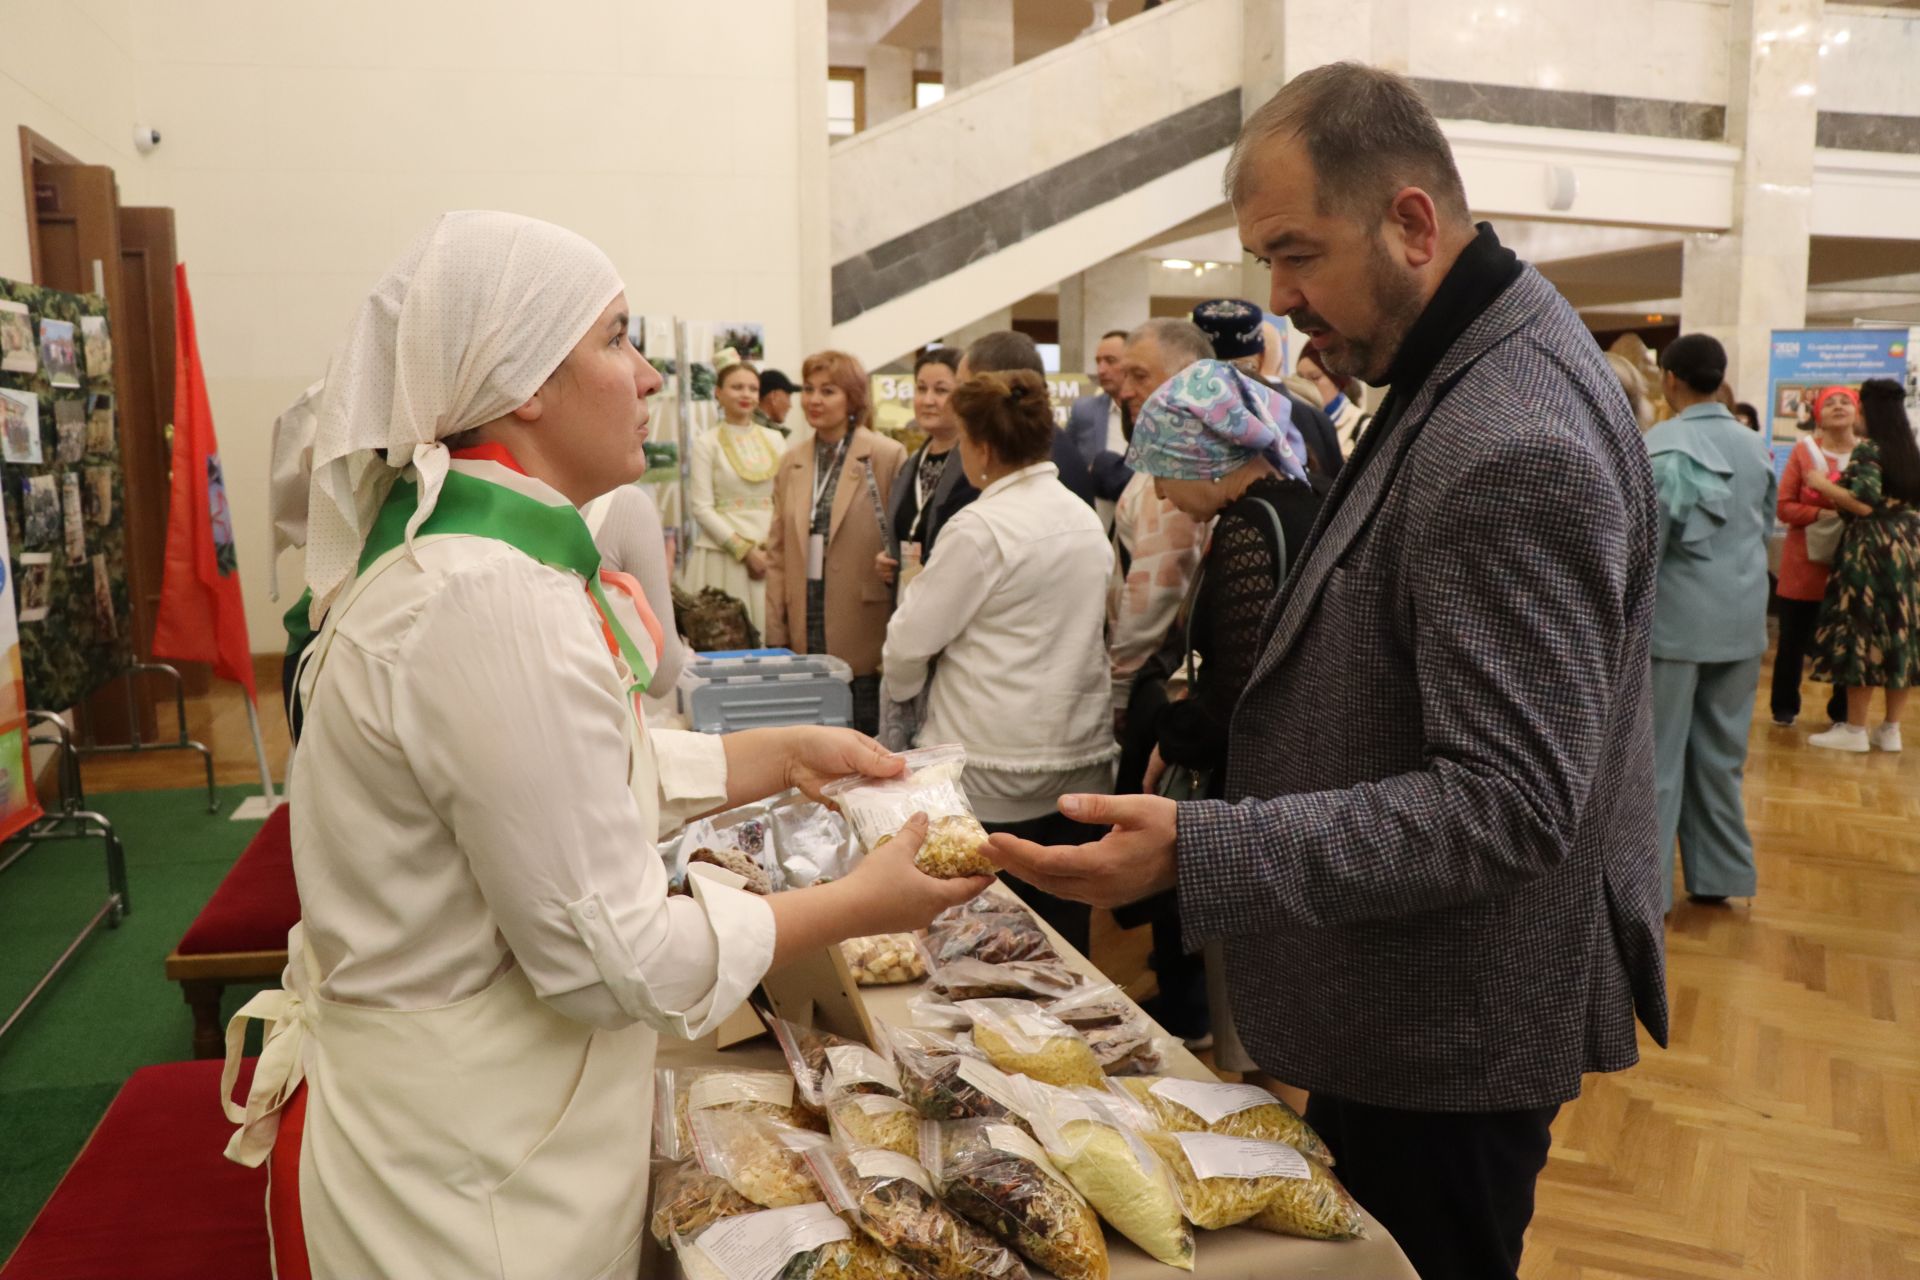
[1381,717]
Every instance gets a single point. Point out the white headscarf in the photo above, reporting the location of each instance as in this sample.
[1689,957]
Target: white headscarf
[465,327]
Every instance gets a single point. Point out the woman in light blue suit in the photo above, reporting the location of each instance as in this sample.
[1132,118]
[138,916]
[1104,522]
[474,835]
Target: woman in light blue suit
[1716,488]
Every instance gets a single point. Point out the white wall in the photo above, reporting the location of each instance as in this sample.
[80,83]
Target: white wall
[1872,62]
[1675,50]
[306,145]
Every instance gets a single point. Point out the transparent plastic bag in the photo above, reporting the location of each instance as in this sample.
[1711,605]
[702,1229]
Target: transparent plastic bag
[763,1160]
[687,1199]
[890,1197]
[737,840]
[998,1176]
[878,807]
[1236,1110]
[680,1092]
[875,1120]
[884,960]
[804,1242]
[1119,1033]
[1120,1176]
[942,1082]
[1019,1036]
[825,1066]
[1225,1181]
[993,937]
[811,843]
[1024,979]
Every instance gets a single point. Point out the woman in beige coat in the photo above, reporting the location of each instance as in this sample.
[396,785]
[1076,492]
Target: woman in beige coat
[823,593]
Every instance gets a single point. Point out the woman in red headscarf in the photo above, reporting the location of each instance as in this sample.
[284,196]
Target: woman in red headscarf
[1803,580]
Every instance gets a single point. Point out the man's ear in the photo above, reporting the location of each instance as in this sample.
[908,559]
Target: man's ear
[531,410]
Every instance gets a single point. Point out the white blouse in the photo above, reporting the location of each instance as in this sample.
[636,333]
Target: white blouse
[462,781]
[724,503]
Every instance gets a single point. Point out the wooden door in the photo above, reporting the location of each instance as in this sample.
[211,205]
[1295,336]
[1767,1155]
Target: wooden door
[78,248]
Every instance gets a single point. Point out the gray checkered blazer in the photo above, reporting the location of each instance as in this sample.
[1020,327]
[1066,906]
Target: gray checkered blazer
[1435,872]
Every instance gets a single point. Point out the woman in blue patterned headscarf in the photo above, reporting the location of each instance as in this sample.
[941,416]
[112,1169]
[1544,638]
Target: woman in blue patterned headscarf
[1211,440]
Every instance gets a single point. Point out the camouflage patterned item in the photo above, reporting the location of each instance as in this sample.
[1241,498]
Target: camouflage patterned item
[713,621]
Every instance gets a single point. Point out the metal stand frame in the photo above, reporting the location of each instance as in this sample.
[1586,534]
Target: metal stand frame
[71,821]
[183,743]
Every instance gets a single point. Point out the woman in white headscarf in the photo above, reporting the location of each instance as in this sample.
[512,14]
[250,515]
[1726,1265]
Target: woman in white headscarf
[457,1076]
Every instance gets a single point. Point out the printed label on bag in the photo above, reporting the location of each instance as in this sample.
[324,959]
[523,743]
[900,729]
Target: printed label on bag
[873,1162]
[1006,1138]
[1215,1155]
[757,1246]
[1213,1102]
[879,1104]
[852,1064]
[989,1080]
[712,1091]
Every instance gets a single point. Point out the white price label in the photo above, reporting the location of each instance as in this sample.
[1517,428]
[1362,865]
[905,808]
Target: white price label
[873,1162]
[1014,1142]
[713,1090]
[756,1246]
[1215,1155]
[851,1064]
[1213,1102]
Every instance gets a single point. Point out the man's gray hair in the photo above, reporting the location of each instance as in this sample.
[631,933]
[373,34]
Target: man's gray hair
[1367,135]
[1182,341]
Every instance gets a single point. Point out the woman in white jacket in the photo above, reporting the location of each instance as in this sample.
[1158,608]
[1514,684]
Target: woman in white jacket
[1013,606]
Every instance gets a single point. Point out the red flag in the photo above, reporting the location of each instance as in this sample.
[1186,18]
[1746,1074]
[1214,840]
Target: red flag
[202,617]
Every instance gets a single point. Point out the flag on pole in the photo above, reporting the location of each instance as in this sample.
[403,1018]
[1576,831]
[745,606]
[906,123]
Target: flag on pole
[201,617]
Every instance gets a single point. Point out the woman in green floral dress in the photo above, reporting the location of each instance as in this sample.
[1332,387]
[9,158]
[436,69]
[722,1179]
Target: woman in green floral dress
[1869,633]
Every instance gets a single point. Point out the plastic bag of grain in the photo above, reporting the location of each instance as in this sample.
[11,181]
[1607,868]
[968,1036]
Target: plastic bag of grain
[1019,1036]
[1119,1174]
[1225,1181]
[1236,1110]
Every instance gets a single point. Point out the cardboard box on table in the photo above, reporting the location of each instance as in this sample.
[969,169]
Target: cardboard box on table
[822,991]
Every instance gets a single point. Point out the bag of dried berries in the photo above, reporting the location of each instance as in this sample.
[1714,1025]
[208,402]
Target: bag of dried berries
[943,1082]
[998,1176]
[878,807]
[890,1197]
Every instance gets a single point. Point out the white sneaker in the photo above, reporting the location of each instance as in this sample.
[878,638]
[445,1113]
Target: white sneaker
[1843,737]
[1887,737]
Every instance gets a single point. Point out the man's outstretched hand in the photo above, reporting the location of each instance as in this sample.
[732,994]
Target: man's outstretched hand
[1134,860]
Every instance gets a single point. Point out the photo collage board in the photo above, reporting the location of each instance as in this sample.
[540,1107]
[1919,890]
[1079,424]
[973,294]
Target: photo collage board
[64,492]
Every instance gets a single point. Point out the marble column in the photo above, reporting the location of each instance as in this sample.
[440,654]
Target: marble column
[1281,38]
[976,40]
[889,83]
[815,259]
[1114,294]
[1752,279]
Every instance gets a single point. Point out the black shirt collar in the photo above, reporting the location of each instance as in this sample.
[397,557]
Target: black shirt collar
[1483,271]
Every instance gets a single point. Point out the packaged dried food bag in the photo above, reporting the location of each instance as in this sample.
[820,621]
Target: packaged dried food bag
[738,840]
[687,1199]
[1119,1033]
[890,1197]
[879,807]
[994,937]
[763,1160]
[803,1242]
[811,843]
[1025,979]
[680,1092]
[1019,1036]
[875,1120]
[1236,1110]
[998,1176]
[825,1065]
[884,960]
[1225,1181]
[1119,1174]
[942,1082]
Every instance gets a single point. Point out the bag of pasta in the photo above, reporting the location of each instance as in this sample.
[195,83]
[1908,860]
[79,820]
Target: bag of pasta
[875,1120]
[1119,1174]
[890,1197]
[993,937]
[687,1199]
[805,1242]
[999,1177]
[762,1159]
[884,960]
[1119,1033]
[1225,1181]
[680,1092]
[1019,1036]
[878,807]
[1236,1110]
[943,1083]
[825,1065]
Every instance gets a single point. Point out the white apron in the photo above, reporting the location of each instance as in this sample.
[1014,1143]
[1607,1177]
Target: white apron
[489,1137]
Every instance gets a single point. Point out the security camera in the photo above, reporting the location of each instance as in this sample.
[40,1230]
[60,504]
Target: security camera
[145,139]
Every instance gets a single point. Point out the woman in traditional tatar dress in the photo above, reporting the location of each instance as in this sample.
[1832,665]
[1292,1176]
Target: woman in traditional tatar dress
[730,492]
[457,1077]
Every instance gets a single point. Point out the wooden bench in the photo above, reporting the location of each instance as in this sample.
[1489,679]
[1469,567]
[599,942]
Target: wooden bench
[151,1195]
[241,934]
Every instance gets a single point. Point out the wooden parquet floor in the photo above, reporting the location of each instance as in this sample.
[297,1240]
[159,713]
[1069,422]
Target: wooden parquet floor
[1779,1134]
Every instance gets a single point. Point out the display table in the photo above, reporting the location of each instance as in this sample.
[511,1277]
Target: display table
[1237,1253]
